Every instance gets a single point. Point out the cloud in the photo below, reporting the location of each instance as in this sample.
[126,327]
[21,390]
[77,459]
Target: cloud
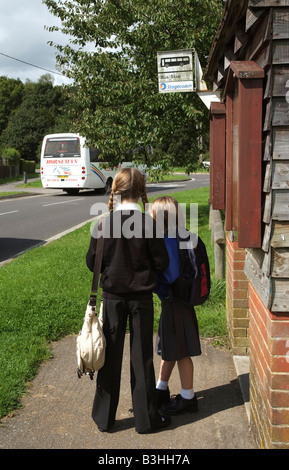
[23,36]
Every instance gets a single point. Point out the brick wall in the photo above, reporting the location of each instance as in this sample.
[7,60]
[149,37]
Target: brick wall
[237,299]
[269,374]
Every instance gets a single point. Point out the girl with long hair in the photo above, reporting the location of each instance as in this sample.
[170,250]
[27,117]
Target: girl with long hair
[178,334]
[132,257]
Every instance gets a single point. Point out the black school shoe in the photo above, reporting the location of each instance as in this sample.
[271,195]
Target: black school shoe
[179,405]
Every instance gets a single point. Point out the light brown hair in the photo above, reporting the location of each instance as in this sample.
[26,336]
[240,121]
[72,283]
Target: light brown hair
[129,183]
[168,208]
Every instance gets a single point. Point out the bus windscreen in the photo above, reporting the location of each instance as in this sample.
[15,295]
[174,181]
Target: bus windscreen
[59,147]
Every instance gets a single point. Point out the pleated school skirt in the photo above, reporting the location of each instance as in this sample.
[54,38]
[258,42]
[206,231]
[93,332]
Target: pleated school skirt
[178,332]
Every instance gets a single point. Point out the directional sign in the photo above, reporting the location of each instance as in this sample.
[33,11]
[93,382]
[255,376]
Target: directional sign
[175,71]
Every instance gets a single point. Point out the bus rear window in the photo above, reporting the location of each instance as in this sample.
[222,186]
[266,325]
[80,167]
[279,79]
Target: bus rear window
[68,147]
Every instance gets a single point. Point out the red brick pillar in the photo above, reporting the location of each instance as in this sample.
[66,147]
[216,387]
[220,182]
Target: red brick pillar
[269,374]
[237,299]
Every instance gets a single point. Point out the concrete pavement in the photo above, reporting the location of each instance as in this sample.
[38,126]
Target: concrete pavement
[56,412]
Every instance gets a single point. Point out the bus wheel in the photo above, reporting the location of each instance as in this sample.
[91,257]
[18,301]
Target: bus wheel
[107,187]
[71,192]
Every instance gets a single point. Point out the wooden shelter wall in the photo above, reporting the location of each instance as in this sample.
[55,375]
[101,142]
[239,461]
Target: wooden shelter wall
[262,35]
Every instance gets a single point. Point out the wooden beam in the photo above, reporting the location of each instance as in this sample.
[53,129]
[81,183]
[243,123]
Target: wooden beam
[229,162]
[217,155]
[250,156]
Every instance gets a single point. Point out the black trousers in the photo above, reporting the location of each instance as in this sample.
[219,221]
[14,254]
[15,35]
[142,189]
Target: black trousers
[142,375]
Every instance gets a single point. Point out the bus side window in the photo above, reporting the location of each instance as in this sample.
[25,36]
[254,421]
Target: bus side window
[93,155]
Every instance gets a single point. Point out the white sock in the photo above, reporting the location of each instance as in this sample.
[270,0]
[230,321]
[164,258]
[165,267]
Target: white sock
[187,394]
[162,385]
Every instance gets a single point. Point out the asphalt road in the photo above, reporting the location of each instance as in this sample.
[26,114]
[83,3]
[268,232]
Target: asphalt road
[32,220]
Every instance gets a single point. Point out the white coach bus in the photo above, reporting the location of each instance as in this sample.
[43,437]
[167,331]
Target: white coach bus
[68,164]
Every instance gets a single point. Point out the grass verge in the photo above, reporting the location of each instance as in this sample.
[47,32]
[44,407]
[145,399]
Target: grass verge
[13,194]
[44,294]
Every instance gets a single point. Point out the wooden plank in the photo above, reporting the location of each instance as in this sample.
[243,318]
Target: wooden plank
[218,154]
[268,178]
[267,208]
[253,269]
[280,175]
[280,295]
[229,162]
[280,51]
[235,163]
[280,80]
[267,237]
[280,263]
[266,266]
[280,205]
[250,160]
[280,23]
[252,15]
[280,144]
[280,235]
[268,3]
[268,117]
[280,112]
[267,147]
[269,84]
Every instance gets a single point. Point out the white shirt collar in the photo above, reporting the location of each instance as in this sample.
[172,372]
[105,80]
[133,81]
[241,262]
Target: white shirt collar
[128,206]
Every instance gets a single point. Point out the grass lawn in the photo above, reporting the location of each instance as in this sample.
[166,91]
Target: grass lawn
[44,294]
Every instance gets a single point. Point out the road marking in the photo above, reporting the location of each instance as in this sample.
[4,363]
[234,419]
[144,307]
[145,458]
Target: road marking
[11,212]
[63,202]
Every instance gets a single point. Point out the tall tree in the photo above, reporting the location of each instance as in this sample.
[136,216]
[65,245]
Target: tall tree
[112,58]
[35,117]
[11,95]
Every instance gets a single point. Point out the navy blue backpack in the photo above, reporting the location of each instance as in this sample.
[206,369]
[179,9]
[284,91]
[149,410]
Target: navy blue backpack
[194,282]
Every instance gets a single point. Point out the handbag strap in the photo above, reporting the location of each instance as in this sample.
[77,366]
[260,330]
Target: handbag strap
[97,265]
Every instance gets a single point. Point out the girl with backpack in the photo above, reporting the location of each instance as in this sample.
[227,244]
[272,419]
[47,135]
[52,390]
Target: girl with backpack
[178,334]
[132,257]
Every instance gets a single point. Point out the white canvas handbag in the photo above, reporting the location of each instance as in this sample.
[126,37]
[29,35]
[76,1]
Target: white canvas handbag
[91,343]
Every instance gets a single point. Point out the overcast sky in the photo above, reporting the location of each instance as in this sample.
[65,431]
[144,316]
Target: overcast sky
[23,37]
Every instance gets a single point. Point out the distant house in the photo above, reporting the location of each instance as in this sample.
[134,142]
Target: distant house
[249,171]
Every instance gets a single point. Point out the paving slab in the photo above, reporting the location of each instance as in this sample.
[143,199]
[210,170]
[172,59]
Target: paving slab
[56,410]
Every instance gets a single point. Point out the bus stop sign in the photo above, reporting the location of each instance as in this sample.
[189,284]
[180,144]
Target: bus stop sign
[175,71]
